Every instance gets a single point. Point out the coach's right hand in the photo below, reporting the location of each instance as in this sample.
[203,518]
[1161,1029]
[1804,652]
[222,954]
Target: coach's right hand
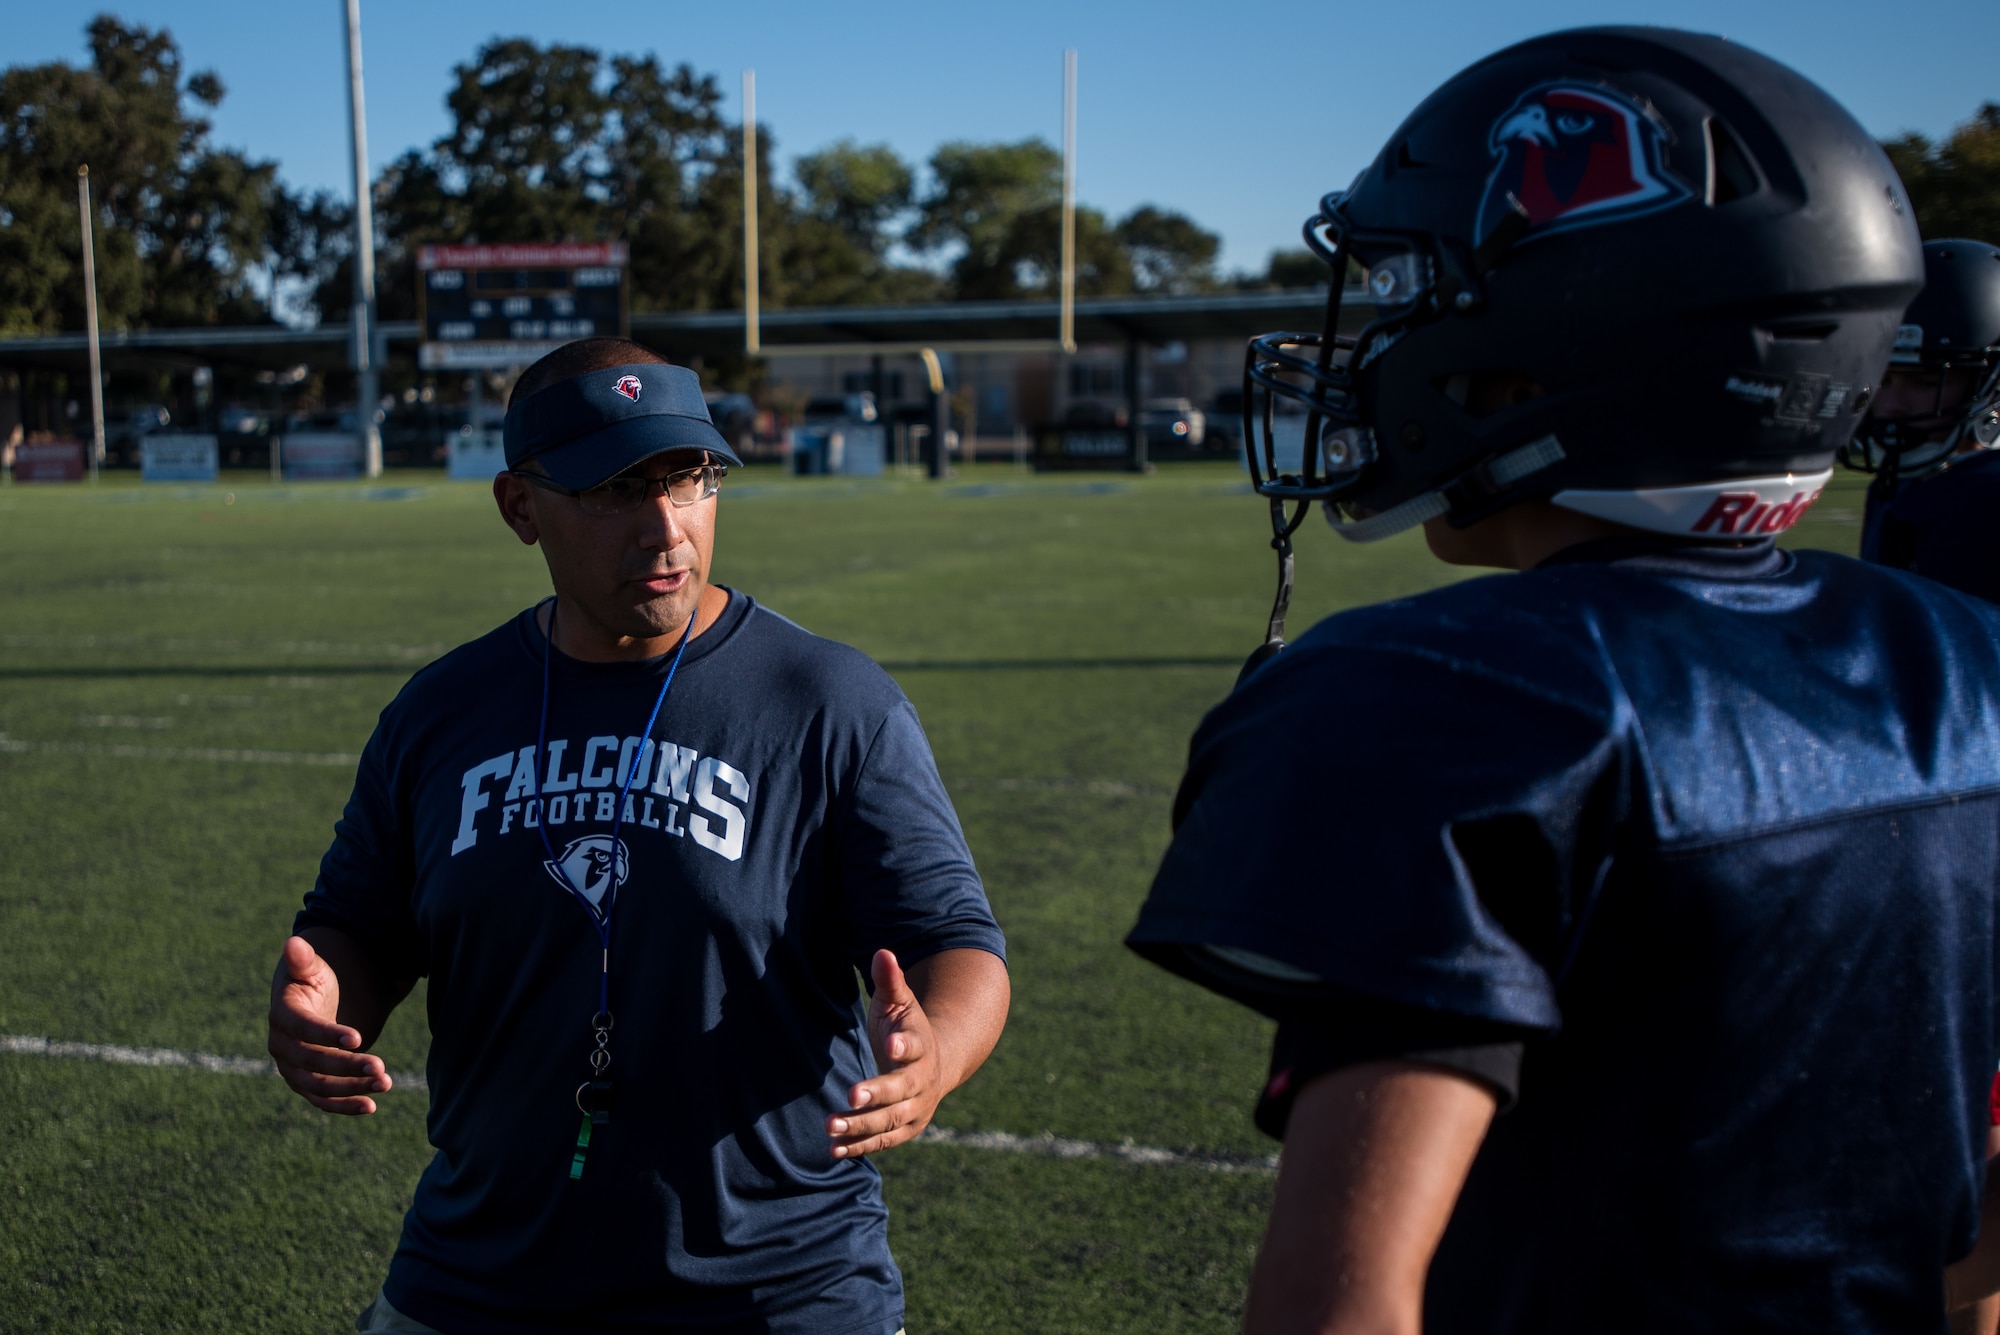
[319,1057]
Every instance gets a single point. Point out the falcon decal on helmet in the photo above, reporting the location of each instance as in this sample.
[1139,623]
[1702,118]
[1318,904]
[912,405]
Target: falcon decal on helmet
[1575,156]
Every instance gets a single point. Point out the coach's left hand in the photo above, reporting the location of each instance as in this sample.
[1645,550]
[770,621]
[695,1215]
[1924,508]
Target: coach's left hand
[966,993]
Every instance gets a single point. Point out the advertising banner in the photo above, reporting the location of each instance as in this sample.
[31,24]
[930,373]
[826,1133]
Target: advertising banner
[1070,447]
[852,448]
[176,458]
[474,456]
[320,456]
[49,461]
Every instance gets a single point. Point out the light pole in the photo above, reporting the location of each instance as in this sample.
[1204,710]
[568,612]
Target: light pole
[752,333]
[90,322]
[362,321]
[1066,283]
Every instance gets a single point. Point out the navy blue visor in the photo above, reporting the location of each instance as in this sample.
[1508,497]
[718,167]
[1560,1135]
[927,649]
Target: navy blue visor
[596,425]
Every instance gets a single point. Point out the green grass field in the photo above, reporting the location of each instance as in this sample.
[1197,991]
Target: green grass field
[1060,636]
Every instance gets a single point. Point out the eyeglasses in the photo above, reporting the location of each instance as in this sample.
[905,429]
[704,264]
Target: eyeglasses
[627,492]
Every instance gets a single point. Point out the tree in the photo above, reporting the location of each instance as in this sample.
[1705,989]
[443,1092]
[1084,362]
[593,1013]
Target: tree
[182,228]
[313,236]
[1954,186]
[1031,264]
[668,150]
[554,143]
[996,209]
[979,198]
[547,143]
[1170,252]
[864,192]
[1288,269]
[1295,268]
[852,206]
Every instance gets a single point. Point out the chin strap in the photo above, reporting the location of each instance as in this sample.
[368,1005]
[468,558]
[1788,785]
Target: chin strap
[1281,543]
[1484,479]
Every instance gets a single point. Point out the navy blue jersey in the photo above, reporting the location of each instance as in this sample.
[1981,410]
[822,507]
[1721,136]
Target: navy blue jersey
[1716,834]
[1944,527]
[787,822]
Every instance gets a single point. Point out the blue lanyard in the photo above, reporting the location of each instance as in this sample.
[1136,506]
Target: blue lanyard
[597,1110]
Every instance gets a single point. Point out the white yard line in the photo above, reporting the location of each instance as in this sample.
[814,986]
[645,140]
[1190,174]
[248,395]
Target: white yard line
[1094,787]
[1057,1147]
[1047,1145]
[29,1045]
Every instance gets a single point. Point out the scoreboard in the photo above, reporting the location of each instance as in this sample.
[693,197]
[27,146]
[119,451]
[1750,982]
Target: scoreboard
[506,305]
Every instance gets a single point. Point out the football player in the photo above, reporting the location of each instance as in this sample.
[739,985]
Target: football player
[1628,920]
[1937,416]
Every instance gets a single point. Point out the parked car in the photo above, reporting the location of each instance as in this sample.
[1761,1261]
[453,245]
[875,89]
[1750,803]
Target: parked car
[123,438]
[841,407]
[243,436]
[1225,421]
[735,416]
[1173,423]
[332,420]
[1088,413]
[416,433]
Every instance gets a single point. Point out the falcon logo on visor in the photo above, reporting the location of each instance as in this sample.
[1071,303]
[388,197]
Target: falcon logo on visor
[1575,156]
[629,386]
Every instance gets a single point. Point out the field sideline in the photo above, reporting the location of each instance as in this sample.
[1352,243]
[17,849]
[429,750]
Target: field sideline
[1060,637]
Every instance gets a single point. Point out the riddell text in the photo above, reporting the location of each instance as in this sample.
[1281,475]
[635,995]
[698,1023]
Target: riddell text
[1746,512]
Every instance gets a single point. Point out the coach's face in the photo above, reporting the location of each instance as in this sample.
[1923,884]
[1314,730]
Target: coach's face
[632,577]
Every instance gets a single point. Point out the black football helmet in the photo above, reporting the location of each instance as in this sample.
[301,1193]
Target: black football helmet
[1953,325]
[1649,275]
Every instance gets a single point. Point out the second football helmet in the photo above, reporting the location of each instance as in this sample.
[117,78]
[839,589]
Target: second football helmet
[1951,335]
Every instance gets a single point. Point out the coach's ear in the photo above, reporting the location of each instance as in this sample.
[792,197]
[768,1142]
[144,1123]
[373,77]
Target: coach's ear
[510,493]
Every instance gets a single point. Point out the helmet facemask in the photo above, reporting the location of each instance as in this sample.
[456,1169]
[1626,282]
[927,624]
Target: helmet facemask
[1412,278]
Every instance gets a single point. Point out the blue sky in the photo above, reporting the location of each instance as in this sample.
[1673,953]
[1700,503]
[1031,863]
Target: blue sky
[1241,124]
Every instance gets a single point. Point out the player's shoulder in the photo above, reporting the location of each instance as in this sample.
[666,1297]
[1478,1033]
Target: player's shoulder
[1418,678]
[1566,627]
[1500,629]
[1983,464]
[1574,601]
[1977,469]
[1967,490]
[1909,609]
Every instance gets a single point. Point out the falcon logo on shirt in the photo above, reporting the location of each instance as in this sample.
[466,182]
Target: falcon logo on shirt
[629,386]
[1575,156]
[592,865]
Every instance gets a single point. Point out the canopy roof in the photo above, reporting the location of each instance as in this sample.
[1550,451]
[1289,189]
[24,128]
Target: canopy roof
[685,335]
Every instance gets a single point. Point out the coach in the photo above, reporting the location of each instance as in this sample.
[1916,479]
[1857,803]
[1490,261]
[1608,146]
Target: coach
[640,839]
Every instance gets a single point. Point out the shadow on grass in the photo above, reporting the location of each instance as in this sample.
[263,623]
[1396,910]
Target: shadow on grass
[1053,664]
[103,672]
